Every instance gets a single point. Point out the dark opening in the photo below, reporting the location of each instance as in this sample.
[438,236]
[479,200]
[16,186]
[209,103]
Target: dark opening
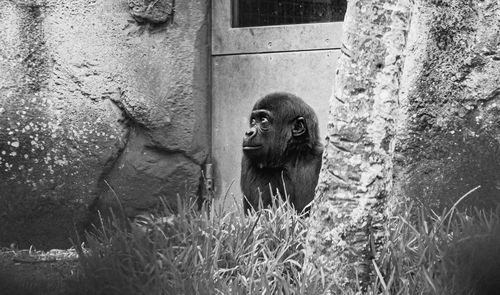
[252,13]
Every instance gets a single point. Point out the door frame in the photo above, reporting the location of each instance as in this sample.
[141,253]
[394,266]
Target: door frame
[248,43]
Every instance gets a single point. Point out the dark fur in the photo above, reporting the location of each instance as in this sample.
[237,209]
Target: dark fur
[288,153]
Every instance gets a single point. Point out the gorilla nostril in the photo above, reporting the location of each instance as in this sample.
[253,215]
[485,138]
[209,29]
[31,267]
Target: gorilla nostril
[250,133]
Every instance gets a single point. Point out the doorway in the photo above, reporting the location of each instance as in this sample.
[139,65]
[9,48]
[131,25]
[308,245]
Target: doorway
[264,46]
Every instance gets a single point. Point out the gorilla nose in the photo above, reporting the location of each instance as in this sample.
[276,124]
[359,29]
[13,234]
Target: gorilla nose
[250,133]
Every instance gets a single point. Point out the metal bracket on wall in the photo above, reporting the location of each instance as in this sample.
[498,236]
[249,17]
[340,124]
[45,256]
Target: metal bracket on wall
[209,180]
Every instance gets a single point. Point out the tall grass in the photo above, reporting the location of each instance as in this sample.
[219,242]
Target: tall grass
[202,252]
[429,253]
[209,252]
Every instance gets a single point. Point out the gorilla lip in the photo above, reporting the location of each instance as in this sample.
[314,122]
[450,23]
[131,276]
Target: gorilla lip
[251,147]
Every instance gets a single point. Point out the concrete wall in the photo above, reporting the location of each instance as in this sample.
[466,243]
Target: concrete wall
[90,96]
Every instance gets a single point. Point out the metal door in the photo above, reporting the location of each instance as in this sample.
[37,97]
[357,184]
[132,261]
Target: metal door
[250,60]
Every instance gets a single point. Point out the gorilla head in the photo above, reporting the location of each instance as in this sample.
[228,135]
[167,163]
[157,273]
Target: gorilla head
[281,147]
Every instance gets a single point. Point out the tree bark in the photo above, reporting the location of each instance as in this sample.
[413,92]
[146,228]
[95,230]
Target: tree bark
[347,219]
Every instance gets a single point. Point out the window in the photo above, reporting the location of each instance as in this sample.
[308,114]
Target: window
[252,13]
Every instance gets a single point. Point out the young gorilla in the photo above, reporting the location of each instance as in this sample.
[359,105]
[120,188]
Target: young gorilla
[281,146]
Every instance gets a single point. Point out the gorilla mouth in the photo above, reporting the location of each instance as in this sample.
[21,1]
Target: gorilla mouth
[251,147]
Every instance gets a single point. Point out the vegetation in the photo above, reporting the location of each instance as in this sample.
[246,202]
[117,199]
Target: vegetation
[210,252]
[202,252]
[427,253]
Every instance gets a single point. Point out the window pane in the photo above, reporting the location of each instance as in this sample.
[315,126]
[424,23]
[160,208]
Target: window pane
[252,13]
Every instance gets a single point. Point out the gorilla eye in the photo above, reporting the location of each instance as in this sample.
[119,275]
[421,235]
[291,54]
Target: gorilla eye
[253,122]
[264,123]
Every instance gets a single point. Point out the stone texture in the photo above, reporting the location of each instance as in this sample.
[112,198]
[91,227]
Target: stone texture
[87,94]
[144,167]
[153,11]
[449,139]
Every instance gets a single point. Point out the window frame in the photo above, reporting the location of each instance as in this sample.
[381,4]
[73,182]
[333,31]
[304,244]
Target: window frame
[227,40]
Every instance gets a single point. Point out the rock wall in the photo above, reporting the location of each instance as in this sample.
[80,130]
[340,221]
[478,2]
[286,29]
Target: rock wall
[96,95]
[449,141]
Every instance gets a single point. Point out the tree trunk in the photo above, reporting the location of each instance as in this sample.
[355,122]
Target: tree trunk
[414,116]
[350,208]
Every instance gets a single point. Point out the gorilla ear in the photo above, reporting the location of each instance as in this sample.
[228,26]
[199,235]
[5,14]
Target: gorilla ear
[299,127]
